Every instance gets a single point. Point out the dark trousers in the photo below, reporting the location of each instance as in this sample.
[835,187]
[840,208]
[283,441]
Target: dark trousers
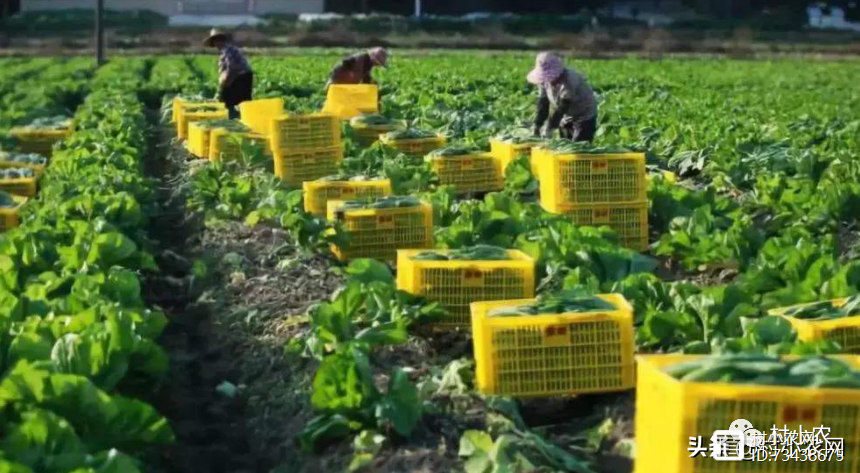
[580,131]
[237,92]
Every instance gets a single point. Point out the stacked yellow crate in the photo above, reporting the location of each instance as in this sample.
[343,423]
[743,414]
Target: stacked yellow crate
[21,181]
[35,138]
[305,147]
[318,193]
[597,190]
[9,215]
[257,115]
[225,144]
[195,112]
[213,137]
[34,161]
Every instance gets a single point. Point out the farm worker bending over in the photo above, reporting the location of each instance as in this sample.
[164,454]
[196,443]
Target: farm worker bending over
[235,78]
[568,93]
[356,68]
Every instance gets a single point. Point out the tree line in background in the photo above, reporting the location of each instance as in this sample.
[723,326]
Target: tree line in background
[733,9]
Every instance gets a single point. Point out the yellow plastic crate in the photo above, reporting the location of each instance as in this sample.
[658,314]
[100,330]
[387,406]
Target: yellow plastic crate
[176,105]
[188,115]
[303,132]
[379,233]
[318,193]
[25,186]
[669,412]
[9,217]
[366,135]
[469,173]
[506,153]
[844,331]
[630,221]
[259,114]
[296,168]
[198,139]
[574,179]
[39,168]
[554,354]
[457,284]
[224,144]
[417,147]
[35,140]
[346,101]
[179,104]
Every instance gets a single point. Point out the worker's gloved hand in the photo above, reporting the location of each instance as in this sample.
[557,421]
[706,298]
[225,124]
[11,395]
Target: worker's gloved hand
[566,122]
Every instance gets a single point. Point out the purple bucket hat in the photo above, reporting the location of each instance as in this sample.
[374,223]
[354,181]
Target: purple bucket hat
[548,66]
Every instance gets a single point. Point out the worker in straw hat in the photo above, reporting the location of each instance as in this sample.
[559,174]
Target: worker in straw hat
[356,68]
[235,78]
[566,94]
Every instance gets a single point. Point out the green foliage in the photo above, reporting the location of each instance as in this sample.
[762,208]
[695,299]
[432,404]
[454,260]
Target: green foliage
[812,372]
[75,329]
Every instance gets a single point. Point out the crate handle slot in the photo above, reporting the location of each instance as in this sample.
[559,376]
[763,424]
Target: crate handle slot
[601,215]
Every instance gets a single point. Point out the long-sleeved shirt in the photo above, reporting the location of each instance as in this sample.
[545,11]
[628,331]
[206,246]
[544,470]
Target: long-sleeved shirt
[571,97]
[232,62]
[353,70]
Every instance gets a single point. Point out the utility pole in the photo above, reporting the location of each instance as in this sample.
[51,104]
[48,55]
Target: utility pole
[100,33]
[417,8]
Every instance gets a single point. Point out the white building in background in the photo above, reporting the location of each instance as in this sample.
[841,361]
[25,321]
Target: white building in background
[186,7]
[830,18]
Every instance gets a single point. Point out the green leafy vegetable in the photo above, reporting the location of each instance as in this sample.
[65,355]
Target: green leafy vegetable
[373,120]
[825,310]
[409,134]
[474,253]
[564,302]
[391,202]
[811,372]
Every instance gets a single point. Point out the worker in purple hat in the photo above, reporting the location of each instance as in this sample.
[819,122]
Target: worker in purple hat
[356,68]
[566,94]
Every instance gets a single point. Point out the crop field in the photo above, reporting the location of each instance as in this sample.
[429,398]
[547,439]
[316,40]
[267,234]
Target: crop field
[166,313]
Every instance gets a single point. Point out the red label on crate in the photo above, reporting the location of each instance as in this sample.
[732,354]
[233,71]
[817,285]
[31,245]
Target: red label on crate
[799,415]
[467,164]
[385,221]
[473,277]
[556,335]
[599,166]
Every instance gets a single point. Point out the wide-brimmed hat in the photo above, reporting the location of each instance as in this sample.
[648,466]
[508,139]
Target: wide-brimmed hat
[379,56]
[216,33]
[548,67]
